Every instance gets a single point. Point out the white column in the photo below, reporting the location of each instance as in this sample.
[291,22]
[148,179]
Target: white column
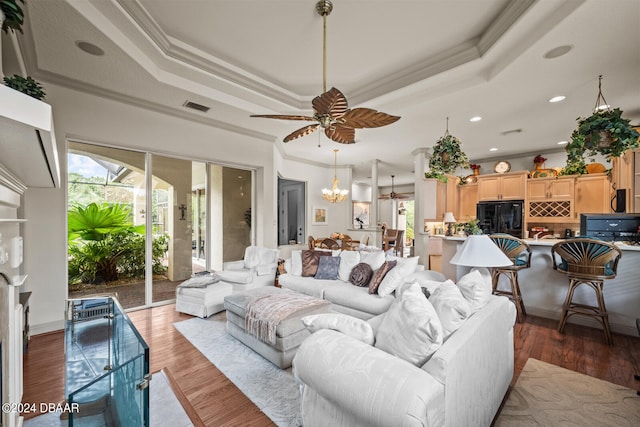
[375,192]
[421,238]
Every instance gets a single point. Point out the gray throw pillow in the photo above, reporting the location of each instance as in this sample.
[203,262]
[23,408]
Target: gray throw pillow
[328,268]
[361,274]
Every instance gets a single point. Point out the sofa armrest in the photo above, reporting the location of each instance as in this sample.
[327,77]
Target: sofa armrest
[267,269]
[363,383]
[233,265]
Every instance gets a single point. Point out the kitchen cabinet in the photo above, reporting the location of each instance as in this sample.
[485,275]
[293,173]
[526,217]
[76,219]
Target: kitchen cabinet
[625,175]
[467,201]
[507,186]
[550,200]
[593,194]
[555,188]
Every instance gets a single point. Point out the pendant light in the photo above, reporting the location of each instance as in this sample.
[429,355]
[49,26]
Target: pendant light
[335,195]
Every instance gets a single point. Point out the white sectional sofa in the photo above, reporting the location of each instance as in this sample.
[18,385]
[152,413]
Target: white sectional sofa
[347,382]
[345,297]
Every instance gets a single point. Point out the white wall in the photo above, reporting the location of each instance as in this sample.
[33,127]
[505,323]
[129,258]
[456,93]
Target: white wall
[92,119]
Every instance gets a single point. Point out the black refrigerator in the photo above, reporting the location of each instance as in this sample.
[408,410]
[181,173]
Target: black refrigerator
[501,217]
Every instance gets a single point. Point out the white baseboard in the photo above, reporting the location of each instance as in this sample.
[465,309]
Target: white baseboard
[620,328]
[43,328]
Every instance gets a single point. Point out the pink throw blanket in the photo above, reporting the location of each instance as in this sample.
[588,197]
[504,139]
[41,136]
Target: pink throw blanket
[265,313]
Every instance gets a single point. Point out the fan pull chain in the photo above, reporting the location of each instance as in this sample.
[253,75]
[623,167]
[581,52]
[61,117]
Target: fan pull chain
[600,95]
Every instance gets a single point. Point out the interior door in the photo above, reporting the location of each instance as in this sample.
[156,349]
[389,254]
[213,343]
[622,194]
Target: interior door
[291,212]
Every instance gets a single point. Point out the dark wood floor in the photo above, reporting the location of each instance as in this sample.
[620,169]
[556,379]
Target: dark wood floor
[217,402]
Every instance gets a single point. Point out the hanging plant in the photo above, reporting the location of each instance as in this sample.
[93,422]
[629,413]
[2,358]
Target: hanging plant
[604,132]
[27,86]
[447,156]
[13,15]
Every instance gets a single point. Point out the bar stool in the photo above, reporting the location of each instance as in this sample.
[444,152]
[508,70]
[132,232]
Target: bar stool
[586,261]
[519,252]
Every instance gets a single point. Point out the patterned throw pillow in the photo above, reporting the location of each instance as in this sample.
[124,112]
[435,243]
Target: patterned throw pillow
[361,274]
[310,261]
[377,277]
[328,268]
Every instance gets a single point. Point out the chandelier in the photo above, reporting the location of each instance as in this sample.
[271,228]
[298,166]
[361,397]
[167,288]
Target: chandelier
[335,195]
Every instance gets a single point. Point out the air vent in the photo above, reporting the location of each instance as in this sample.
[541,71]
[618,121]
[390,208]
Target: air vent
[196,106]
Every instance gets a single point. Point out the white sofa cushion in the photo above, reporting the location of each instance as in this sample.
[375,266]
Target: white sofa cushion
[349,325]
[235,276]
[411,329]
[296,263]
[395,276]
[348,260]
[452,308]
[374,259]
[476,288]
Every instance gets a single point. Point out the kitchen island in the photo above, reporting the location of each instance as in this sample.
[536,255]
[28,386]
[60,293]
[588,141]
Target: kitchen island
[544,289]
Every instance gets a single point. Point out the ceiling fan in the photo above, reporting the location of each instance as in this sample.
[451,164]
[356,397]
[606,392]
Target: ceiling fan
[330,109]
[393,195]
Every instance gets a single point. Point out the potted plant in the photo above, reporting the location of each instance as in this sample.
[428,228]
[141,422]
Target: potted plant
[446,158]
[605,132]
[26,85]
[475,168]
[13,15]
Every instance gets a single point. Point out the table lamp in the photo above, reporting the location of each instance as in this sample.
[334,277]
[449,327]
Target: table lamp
[479,251]
[449,220]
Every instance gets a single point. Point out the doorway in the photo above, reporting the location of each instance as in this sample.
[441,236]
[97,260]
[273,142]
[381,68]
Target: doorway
[291,212]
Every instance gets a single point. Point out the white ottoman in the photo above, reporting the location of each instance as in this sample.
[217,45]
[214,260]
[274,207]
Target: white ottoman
[202,302]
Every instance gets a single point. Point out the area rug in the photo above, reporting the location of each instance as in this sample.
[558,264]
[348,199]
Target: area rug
[273,390]
[164,409]
[547,395]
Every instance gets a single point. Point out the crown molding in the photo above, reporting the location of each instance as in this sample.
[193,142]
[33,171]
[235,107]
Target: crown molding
[507,17]
[10,181]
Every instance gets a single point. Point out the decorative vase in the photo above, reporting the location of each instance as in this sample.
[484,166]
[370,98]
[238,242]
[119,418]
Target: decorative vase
[539,165]
[476,171]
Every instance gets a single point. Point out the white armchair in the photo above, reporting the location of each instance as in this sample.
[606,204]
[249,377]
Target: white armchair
[258,268]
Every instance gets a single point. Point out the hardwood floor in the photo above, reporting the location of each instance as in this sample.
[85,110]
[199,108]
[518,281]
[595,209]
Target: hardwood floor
[217,402]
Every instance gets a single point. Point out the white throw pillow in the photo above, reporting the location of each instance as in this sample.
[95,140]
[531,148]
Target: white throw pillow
[452,308]
[348,260]
[411,329]
[476,288]
[348,325]
[296,263]
[395,277]
[374,259]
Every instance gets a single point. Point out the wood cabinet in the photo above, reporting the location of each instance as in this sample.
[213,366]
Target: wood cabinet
[593,194]
[625,175]
[508,186]
[467,201]
[551,199]
[556,188]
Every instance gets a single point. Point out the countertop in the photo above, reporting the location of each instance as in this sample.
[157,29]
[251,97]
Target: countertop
[549,242]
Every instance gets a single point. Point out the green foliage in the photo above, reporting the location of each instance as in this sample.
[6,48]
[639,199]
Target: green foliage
[436,175]
[588,139]
[472,227]
[27,86]
[410,217]
[95,221]
[104,245]
[13,15]
[447,156]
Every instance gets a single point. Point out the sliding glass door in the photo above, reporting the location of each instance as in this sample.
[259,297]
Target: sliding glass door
[198,216]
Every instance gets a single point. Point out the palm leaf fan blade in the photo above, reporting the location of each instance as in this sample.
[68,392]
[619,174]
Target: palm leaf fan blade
[368,118]
[301,132]
[340,133]
[284,117]
[332,103]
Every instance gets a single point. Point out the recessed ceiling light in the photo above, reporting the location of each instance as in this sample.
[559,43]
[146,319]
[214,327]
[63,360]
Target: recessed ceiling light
[603,107]
[563,142]
[558,51]
[90,48]
[475,119]
[493,149]
[557,98]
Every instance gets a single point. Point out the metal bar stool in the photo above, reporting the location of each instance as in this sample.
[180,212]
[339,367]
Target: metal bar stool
[519,252]
[586,261]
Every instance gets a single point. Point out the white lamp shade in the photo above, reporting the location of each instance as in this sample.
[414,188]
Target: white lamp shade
[448,217]
[480,251]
